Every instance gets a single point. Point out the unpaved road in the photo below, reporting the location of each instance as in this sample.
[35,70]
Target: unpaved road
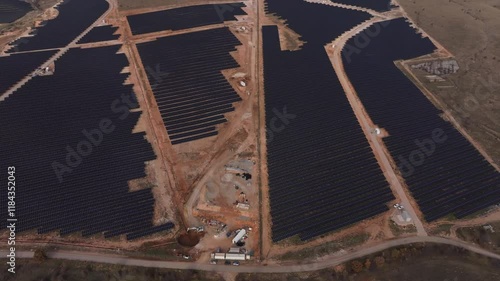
[367,124]
[123,260]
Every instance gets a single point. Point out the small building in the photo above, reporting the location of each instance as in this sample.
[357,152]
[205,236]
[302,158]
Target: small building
[404,216]
[218,256]
[230,256]
[235,257]
[234,250]
[243,206]
[239,236]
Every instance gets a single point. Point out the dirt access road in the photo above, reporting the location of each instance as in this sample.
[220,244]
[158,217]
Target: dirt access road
[123,260]
[368,125]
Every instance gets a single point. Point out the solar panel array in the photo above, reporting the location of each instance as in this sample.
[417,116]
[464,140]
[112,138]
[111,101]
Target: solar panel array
[148,231]
[185,17]
[70,139]
[14,68]
[444,172]
[100,33]
[323,175]
[377,5]
[11,10]
[317,24]
[74,17]
[184,72]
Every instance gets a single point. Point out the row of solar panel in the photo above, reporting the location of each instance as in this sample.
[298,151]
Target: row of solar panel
[377,5]
[185,74]
[316,24]
[184,17]
[12,10]
[73,18]
[444,172]
[100,33]
[322,172]
[16,67]
[78,150]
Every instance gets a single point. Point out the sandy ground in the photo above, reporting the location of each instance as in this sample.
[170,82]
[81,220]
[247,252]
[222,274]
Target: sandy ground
[190,166]
[493,215]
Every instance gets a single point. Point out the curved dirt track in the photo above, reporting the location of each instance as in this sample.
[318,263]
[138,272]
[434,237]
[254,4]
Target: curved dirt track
[124,260]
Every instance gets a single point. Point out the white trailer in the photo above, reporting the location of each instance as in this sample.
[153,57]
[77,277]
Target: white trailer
[239,236]
[235,257]
[230,256]
[218,256]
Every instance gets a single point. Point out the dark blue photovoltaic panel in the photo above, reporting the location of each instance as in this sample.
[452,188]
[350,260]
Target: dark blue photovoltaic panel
[74,17]
[197,137]
[11,10]
[149,231]
[184,17]
[70,139]
[14,68]
[323,175]
[445,174]
[317,24]
[185,74]
[100,33]
[377,5]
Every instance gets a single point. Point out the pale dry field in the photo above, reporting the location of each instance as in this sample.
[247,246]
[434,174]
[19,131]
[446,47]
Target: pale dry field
[469,30]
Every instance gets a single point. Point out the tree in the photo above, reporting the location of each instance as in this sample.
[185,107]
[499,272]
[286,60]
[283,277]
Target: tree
[40,255]
[357,266]
[379,261]
[368,264]
[395,254]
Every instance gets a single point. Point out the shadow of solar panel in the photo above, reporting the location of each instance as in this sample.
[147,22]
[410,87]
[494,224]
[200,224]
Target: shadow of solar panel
[11,10]
[184,72]
[72,172]
[322,173]
[184,17]
[74,17]
[377,5]
[100,33]
[14,68]
[449,176]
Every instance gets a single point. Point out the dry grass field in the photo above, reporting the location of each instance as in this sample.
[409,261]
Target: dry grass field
[469,30]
